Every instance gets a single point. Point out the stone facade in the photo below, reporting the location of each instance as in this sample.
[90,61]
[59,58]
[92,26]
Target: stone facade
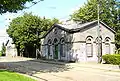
[77,42]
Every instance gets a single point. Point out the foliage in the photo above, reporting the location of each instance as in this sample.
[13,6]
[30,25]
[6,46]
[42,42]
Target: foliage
[109,13]
[117,51]
[12,76]
[28,29]
[112,59]
[0,53]
[3,50]
[12,5]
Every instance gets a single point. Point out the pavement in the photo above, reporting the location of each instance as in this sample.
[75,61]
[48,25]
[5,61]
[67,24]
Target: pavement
[43,70]
[93,65]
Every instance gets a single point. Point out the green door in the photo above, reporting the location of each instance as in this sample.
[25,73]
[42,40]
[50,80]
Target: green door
[56,52]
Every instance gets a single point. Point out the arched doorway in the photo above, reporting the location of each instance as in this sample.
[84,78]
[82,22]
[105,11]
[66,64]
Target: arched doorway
[55,48]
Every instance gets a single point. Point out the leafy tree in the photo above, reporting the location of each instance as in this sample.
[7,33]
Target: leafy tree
[3,49]
[27,30]
[109,13]
[13,5]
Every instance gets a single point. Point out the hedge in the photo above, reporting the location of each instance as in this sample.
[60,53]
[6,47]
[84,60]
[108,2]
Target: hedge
[112,59]
[0,53]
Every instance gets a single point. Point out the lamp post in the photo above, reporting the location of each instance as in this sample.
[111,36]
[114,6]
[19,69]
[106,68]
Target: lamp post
[98,33]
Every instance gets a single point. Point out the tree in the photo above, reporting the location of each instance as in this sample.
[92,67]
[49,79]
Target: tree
[109,13]
[27,30]
[13,5]
[3,50]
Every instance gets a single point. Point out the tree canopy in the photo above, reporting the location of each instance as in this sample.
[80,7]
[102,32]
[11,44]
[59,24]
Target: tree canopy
[13,5]
[109,14]
[28,29]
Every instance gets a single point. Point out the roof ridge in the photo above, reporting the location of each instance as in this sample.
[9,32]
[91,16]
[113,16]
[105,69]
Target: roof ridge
[72,28]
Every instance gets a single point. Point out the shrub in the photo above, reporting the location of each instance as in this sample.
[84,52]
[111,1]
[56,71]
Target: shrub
[0,53]
[112,59]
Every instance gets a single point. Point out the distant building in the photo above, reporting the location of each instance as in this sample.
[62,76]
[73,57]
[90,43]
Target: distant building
[3,37]
[78,42]
[11,50]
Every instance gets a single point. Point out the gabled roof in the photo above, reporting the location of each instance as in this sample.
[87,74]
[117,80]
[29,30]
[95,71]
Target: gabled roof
[76,27]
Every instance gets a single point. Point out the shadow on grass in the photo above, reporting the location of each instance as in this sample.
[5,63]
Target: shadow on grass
[31,67]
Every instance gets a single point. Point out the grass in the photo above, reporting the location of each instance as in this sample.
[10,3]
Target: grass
[12,76]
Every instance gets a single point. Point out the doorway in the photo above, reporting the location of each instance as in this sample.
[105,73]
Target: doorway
[56,52]
[55,48]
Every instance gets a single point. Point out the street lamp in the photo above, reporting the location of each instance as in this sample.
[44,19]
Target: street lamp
[98,33]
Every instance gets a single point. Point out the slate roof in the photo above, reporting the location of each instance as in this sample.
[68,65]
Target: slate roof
[73,27]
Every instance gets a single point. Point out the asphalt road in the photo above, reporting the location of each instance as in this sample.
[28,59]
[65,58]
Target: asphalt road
[54,72]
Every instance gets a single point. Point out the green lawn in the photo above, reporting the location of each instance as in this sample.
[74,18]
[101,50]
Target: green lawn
[12,76]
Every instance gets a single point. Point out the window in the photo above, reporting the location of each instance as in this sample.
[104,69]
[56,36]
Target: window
[107,45]
[107,48]
[62,53]
[48,49]
[49,45]
[61,50]
[55,41]
[55,48]
[89,46]
[89,49]
[107,40]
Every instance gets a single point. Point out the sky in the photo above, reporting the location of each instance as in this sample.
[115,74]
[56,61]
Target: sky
[60,9]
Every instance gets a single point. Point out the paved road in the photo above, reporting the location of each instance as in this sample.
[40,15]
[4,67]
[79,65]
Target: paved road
[53,72]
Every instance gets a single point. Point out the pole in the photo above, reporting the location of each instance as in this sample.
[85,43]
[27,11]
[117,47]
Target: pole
[98,32]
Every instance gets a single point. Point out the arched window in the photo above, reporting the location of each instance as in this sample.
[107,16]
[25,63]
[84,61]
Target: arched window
[55,41]
[89,47]
[62,40]
[107,40]
[49,44]
[62,53]
[107,45]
